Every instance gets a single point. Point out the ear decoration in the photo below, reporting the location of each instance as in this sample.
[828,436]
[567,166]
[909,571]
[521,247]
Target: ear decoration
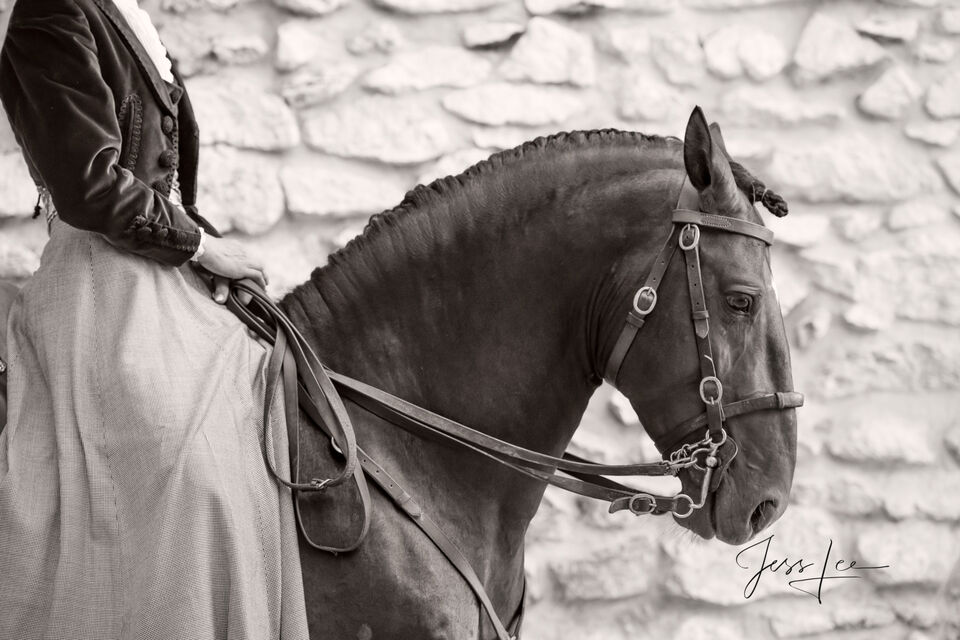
[706,163]
[758,192]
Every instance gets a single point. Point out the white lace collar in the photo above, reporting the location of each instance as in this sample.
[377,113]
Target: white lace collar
[139,20]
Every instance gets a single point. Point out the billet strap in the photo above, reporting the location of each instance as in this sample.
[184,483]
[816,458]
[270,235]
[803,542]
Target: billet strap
[723,223]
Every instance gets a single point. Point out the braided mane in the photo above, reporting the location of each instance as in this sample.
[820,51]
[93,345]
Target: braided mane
[422,195]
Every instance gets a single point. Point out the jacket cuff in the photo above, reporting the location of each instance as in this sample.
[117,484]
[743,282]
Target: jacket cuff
[170,245]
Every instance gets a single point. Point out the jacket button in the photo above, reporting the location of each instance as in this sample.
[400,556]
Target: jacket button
[168,158]
[166,124]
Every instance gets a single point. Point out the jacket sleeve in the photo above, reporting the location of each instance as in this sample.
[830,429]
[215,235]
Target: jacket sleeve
[63,116]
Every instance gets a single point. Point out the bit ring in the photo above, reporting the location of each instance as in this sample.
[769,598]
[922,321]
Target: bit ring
[690,509]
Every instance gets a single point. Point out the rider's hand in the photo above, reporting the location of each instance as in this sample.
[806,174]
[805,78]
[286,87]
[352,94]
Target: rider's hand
[221,287]
[228,260]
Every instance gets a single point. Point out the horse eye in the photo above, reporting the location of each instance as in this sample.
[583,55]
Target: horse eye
[740,302]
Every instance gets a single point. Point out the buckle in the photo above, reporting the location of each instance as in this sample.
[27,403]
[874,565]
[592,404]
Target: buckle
[703,389]
[636,506]
[652,297]
[696,237]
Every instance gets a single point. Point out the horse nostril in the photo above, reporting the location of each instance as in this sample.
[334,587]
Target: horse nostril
[762,515]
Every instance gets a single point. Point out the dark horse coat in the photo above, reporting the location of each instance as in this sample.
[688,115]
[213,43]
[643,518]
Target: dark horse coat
[99,127]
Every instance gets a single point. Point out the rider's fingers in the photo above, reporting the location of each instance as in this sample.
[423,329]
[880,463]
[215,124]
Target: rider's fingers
[256,276]
[221,289]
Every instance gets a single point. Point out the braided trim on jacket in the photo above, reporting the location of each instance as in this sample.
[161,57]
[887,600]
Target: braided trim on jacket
[161,234]
[133,122]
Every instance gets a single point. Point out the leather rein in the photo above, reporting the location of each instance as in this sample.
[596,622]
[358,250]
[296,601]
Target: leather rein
[307,383]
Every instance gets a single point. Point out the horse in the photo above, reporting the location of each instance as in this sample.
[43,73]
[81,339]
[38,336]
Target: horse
[497,298]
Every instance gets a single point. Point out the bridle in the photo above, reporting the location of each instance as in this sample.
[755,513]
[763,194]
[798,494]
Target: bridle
[712,454]
[317,390]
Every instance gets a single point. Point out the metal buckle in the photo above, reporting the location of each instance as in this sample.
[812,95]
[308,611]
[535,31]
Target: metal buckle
[640,293]
[639,511]
[696,237]
[703,395]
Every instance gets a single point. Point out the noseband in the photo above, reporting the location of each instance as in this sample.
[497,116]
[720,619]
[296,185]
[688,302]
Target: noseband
[712,454]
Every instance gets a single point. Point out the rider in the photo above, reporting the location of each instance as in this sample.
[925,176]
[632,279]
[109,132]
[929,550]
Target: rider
[134,498]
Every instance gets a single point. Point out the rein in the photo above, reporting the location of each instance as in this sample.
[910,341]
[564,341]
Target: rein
[307,383]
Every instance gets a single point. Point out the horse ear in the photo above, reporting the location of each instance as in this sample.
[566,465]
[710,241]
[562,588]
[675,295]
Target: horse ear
[717,138]
[705,158]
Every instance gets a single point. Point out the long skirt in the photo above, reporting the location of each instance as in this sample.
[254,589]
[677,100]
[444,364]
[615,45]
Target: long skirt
[135,502]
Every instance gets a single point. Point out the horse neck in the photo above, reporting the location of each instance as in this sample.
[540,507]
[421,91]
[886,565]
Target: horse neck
[483,310]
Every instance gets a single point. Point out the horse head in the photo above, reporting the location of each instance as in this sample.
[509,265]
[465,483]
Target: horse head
[723,358]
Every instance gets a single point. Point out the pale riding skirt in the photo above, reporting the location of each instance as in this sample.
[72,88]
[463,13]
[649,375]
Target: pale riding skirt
[135,503]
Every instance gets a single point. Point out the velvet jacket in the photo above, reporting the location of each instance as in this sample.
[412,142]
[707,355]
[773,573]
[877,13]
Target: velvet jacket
[99,127]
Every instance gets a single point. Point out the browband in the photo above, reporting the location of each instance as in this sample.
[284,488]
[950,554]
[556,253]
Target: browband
[733,225]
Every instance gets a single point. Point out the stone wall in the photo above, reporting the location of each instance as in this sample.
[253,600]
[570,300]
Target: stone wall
[316,113]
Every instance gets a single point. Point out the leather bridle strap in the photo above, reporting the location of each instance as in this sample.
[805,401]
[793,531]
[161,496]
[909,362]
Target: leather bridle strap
[723,223]
[779,400]
[643,303]
[424,423]
[316,382]
[296,390]
[689,242]
[418,419]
